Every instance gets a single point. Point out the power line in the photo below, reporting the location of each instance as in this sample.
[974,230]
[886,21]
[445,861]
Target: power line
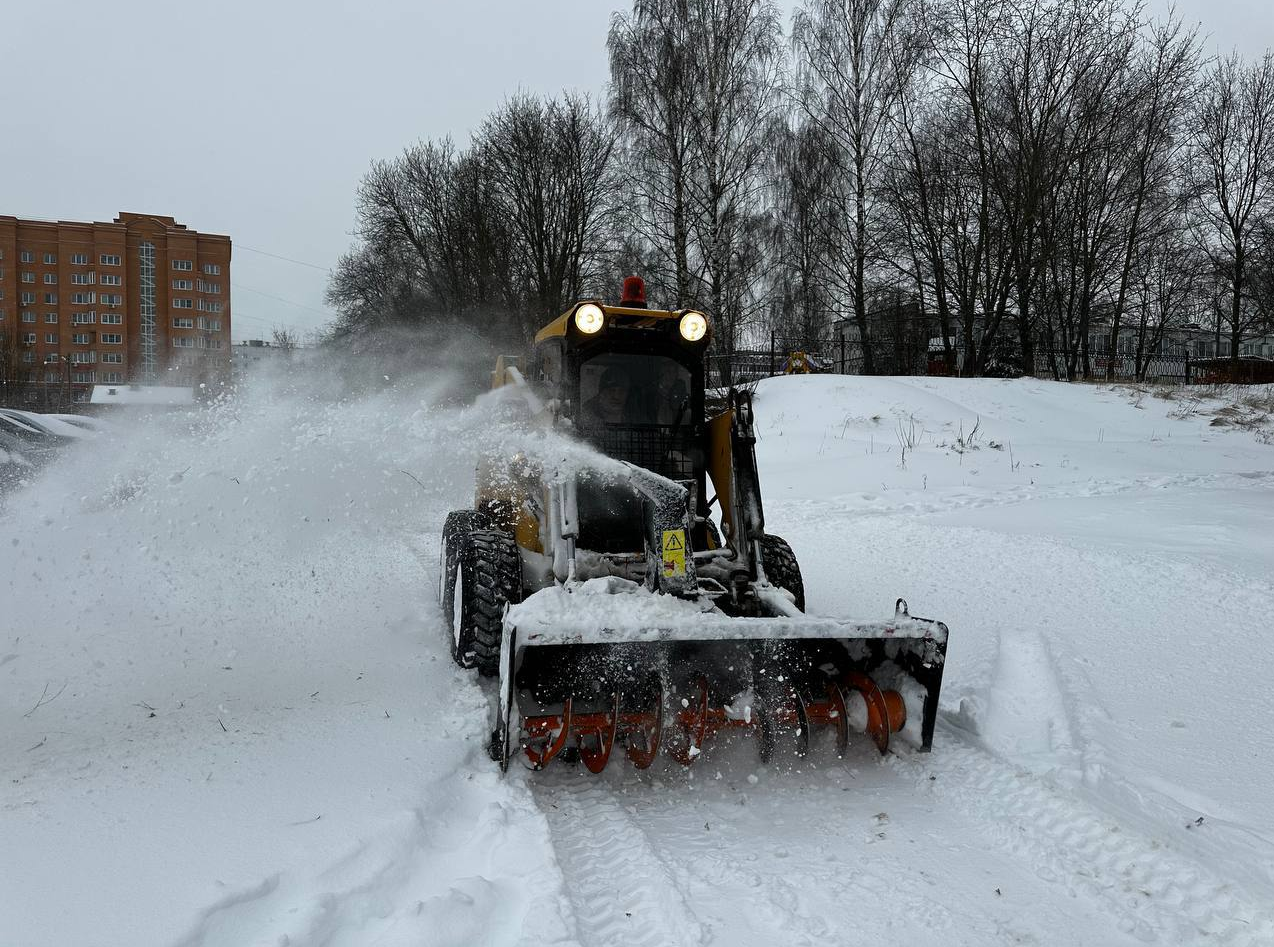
[290,302]
[313,266]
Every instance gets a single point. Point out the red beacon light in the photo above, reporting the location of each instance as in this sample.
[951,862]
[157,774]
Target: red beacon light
[634,295]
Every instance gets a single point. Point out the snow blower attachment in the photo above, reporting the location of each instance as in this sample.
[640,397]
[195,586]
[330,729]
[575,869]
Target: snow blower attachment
[611,609]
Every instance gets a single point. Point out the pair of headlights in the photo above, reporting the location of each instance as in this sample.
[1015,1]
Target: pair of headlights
[589,319]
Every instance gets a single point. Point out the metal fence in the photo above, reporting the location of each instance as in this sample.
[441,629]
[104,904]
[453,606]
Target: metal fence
[916,352]
[48,397]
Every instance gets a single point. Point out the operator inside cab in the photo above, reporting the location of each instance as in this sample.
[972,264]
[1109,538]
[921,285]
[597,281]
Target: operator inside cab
[620,388]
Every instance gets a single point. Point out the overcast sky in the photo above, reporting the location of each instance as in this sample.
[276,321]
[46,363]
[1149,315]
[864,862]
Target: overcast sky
[256,119]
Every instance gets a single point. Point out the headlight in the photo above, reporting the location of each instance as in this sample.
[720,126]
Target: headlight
[589,318]
[694,325]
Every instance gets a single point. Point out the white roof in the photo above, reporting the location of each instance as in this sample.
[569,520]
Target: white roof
[162,395]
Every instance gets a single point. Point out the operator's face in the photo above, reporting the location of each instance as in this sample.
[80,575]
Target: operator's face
[611,401]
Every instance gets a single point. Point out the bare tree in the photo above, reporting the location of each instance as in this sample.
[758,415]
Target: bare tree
[652,93]
[551,165]
[800,299]
[854,58]
[285,339]
[736,81]
[1232,163]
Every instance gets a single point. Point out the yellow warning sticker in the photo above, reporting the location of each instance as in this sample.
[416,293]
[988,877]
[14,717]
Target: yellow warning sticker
[674,552]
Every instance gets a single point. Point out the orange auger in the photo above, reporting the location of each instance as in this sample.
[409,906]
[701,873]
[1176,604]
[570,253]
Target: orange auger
[854,699]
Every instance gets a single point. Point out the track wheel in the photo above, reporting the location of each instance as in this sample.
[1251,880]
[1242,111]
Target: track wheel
[484,575]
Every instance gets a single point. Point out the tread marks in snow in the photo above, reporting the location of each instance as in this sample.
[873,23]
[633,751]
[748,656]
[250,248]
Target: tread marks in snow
[1158,895]
[620,889]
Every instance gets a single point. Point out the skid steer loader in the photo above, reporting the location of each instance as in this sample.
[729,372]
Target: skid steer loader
[610,606]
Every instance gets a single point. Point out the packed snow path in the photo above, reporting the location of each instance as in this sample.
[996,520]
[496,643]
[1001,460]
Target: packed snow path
[242,726]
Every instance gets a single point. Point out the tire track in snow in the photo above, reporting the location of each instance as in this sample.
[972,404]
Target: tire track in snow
[620,889]
[1158,894]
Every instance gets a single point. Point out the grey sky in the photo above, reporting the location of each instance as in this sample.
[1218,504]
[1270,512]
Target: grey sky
[256,119]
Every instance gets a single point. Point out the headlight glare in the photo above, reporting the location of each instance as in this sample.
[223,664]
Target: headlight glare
[589,318]
[694,326]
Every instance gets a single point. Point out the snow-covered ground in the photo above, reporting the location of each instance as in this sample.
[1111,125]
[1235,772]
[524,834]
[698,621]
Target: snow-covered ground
[227,714]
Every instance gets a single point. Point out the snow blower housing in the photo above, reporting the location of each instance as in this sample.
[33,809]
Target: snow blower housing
[605,599]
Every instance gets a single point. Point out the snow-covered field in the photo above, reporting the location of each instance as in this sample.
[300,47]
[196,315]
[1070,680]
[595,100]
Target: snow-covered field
[228,717]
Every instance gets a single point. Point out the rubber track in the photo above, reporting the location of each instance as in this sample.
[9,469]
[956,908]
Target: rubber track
[620,889]
[1158,895]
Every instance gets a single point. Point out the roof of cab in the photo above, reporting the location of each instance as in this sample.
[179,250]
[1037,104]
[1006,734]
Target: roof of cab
[559,326]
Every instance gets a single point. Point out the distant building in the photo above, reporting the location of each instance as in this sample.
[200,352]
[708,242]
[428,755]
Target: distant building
[144,396]
[250,355]
[140,300]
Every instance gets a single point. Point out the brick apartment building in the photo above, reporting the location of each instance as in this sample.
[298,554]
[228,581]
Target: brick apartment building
[140,300]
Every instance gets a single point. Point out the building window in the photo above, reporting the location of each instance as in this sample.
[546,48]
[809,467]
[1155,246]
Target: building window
[212,269]
[28,338]
[82,279]
[51,338]
[112,338]
[83,299]
[212,288]
[183,304]
[79,259]
[214,325]
[109,259]
[112,319]
[111,279]
[26,256]
[84,318]
[114,358]
[184,265]
[28,317]
[51,318]
[52,376]
[83,358]
[82,338]
[183,322]
[28,357]
[83,378]
[113,378]
[28,298]
[50,259]
[50,279]
[28,276]
[183,343]
[50,299]
[110,299]
[183,284]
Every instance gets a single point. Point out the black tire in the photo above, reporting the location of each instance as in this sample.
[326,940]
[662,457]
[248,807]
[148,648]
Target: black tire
[457,523]
[781,567]
[484,567]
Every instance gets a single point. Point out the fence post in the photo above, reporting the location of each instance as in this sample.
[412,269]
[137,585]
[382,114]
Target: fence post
[842,352]
[771,353]
[1187,365]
